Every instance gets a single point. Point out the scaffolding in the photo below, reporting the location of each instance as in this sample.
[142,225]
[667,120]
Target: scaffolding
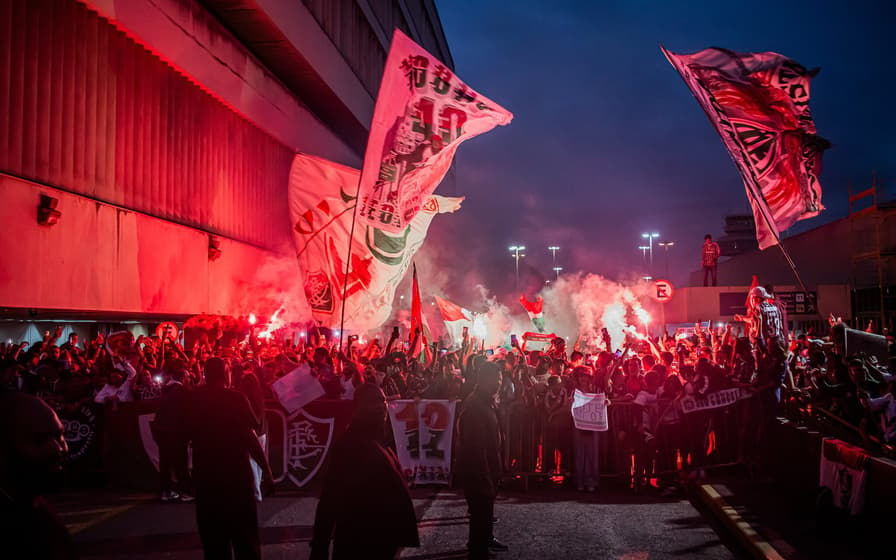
[872,225]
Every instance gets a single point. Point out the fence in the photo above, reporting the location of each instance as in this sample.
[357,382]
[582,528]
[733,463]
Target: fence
[118,442]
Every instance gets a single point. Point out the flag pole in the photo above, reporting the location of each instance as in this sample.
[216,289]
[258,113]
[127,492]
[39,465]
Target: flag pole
[763,208]
[758,199]
[348,261]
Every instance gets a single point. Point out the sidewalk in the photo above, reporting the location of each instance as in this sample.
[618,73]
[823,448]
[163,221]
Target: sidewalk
[773,520]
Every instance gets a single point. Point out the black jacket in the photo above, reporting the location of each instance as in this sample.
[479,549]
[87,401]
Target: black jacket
[365,504]
[478,465]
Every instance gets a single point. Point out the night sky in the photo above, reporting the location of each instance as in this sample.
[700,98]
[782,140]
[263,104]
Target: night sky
[607,142]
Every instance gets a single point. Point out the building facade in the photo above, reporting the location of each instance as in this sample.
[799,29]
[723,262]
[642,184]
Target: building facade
[145,145]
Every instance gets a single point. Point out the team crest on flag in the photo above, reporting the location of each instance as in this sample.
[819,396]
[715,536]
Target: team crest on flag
[319,291]
[759,105]
[307,440]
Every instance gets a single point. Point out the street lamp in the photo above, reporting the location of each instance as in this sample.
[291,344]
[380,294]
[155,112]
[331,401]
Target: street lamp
[553,249]
[517,251]
[665,245]
[644,249]
[649,237]
[557,269]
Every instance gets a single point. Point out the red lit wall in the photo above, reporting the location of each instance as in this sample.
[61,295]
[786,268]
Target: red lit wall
[86,109]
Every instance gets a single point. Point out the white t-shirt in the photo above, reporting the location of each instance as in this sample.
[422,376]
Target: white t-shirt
[123,392]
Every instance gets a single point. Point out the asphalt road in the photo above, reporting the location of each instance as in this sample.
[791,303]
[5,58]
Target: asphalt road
[542,523]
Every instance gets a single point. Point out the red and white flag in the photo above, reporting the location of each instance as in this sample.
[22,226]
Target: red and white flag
[759,105]
[535,311]
[321,204]
[418,321]
[423,113]
[455,317]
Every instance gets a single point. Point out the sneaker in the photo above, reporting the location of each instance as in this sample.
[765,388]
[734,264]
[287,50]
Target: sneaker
[169,496]
[497,545]
[187,498]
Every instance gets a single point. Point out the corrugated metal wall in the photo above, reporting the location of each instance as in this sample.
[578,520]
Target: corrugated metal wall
[87,109]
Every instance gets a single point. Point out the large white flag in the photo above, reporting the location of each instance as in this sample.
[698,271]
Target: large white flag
[759,105]
[423,113]
[321,202]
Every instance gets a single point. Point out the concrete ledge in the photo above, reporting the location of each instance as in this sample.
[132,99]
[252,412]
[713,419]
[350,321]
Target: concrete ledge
[752,541]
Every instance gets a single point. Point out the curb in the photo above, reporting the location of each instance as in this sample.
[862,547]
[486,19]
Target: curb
[754,543]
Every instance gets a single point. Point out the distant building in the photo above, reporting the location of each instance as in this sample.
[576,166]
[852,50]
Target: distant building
[858,251]
[740,235]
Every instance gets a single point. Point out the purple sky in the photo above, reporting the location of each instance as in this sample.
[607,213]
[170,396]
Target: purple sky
[607,141]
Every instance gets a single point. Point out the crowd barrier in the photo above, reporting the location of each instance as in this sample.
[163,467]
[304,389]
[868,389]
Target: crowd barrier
[118,443]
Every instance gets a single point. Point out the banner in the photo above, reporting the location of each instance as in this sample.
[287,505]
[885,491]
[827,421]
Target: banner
[456,318]
[589,411]
[297,388]
[759,105]
[842,471]
[718,399]
[423,431]
[535,310]
[423,113]
[321,211]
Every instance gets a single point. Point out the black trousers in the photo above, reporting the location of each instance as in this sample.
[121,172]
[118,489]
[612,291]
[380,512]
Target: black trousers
[482,511]
[172,461]
[709,271]
[228,526]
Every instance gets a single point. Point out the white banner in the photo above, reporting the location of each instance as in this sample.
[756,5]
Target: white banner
[423,431]
[717,399]
[589,411]
[321,204]
[423,113]
[297,388]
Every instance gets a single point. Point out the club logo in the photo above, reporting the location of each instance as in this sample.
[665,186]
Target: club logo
[319,292]
[307,440]
[79,431]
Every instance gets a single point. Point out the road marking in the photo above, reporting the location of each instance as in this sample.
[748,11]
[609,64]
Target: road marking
[759,547]
[109,513]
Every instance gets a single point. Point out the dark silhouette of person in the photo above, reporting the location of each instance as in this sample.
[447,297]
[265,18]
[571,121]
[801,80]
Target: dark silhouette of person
[32,451]
[365,506]
[221,426]
[167,430]
[478,466]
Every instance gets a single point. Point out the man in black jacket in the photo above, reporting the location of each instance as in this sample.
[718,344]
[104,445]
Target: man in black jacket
[168,431]
[478,464]
[365,506]
[221,426]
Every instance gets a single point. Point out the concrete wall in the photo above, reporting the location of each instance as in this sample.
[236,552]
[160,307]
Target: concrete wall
[693,304]
[100,257]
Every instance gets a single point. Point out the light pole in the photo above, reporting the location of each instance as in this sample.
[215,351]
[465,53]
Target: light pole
[649,237]
[644,249]
[553,249]
[557,269]
[517,251]
[665,245]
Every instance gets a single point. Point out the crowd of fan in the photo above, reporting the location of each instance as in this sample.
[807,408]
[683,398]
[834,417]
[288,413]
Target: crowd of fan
[653,374]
